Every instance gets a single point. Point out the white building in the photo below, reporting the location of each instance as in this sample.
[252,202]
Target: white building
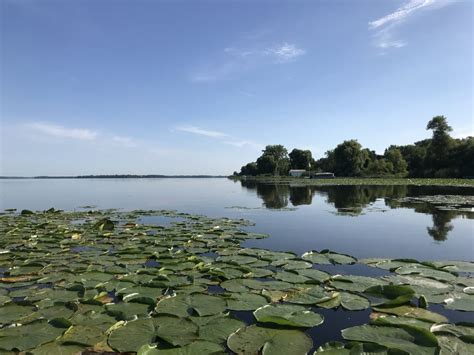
[297,172]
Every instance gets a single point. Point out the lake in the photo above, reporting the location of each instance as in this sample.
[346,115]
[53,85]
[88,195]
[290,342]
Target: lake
[363,221]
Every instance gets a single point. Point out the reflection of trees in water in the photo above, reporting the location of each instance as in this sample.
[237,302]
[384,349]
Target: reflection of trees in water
[354,199]
[441,218]
[357,198]
[276,196]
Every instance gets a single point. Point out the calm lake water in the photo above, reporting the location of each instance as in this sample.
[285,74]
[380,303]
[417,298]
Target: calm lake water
[363,221]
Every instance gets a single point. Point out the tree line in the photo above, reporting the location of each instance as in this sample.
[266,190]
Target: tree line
[440,156]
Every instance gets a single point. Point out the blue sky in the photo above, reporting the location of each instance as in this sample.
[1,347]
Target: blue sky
[191,87]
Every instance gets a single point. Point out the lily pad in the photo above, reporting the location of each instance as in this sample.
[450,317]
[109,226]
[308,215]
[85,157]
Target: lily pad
[28,336]
[245,302]
[255,339]
[288,315]
[132,335]
[410,340]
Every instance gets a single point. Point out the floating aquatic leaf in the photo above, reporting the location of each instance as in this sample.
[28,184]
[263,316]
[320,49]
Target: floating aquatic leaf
[313,274]
[197,347]
[310,296]
[254,339]
[414,312]
[450,345]
[82,335]
[390,295]
[206,305]
[460,301]
[57,349]
[288,315]
[245,302]
[13,313]
[104,224]
[132,335]
[328,257]
[411,340]
[333,348]
[176,331]
[28,336]
[218,329]
[127,311]
[353,302]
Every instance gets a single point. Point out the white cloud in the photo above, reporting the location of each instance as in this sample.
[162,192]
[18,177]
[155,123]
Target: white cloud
[385,26]
[285,52]
[63,132]
[222,137]
[201,132]
[244,143]
[237,59]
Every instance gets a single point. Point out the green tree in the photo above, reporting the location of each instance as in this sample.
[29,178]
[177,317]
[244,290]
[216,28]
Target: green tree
[439,147]
[300,159]
[350,159]
[249,169]
[395,158]
[266,165]
[279,155]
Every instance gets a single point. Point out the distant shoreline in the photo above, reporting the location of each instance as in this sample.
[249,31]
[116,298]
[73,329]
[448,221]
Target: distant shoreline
[117,177]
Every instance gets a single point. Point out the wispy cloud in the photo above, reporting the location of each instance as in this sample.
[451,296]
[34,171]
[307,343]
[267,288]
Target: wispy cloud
[385,27]
[237,59]
[45,129]
[240,144]
[285,52]
[55,130]
[222,137]
[201,132]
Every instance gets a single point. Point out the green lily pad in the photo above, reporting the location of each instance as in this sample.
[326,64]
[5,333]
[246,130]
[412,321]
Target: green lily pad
[57,349]
[82,335]
[410,340]
[127,311]
[288,315]
[28,336]
[390,295]
[310,296]
[353,302]
[132,335]
[218,328]
[451,345]
[197,347]
[206,305]
[254,339]
[245,302]
[460,302]
[13,313]
[176,331]
[414,312]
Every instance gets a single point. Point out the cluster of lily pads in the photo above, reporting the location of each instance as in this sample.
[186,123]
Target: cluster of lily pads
[99,280]
[460,203]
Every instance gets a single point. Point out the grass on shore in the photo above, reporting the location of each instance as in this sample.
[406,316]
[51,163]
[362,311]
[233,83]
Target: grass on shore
[358,181]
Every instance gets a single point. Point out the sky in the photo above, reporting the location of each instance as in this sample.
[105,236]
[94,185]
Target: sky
[200,87]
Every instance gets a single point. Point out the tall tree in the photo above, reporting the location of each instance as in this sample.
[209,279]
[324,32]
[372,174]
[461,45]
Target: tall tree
[350,159]
[300,159]
[266,165]
[279,155]
[440,145]
[399,164]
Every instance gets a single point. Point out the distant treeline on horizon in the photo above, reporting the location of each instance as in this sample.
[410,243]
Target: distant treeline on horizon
[441,156]
[117,176]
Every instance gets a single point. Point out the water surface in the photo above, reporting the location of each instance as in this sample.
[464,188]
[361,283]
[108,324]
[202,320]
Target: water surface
[364,221]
